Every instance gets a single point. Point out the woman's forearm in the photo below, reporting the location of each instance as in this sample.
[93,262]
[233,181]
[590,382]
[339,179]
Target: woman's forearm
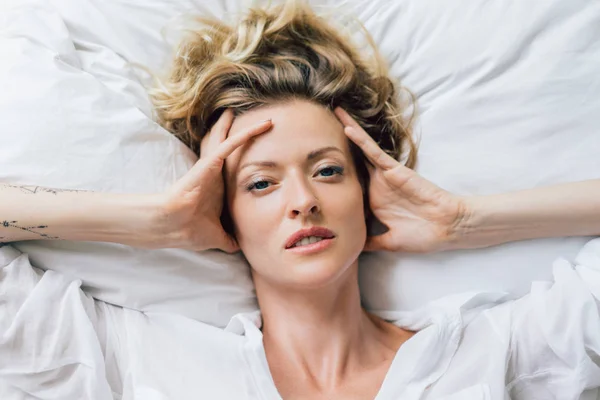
[34,213]
[571,209]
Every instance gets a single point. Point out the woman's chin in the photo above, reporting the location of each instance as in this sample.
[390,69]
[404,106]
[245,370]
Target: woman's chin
[307,272]
[314,274]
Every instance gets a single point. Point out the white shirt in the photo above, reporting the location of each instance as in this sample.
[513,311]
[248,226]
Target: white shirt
[470,346]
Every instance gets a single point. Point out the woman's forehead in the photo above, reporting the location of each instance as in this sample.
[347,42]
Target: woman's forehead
[291,114]
[299,127]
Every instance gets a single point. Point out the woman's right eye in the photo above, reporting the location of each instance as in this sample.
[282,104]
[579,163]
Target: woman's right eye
[257,185]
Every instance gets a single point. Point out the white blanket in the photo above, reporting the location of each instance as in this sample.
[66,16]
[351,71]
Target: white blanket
[50,347]
[56,342]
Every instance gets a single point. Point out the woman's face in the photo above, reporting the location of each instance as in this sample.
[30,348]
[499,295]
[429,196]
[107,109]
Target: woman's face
[297,176]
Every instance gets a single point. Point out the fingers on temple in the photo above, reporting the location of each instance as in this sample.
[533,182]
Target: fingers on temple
[233,142]
[370,148]
[223,124]
[217,134]
[345,118]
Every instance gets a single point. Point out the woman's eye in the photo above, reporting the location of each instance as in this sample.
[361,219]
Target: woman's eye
[326,172]
[331,171]
[258,185]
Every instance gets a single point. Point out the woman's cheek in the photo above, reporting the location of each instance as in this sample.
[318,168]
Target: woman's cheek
[354,210]
[254,217]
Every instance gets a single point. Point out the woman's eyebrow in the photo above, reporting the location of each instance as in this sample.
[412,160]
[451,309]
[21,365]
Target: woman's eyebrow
[319,152]
[311,156]
[268,164]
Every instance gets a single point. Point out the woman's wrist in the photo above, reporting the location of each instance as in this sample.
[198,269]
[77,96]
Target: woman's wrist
[571,209]
[484,223]
[496,219]
[37,213]
[129,219]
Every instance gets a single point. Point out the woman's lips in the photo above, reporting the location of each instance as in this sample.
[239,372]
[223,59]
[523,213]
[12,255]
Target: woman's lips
[312,248]
[318,231]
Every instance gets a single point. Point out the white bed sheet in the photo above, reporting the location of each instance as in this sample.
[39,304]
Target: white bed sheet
[507,99]
[57,343]
[50,339]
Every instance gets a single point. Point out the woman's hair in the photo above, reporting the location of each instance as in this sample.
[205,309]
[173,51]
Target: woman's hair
[278,53]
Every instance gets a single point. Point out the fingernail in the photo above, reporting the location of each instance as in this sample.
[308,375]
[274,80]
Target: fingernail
[267,120]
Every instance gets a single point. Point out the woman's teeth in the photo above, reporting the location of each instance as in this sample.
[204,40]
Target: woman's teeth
[308,240]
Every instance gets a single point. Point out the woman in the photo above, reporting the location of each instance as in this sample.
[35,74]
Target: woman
[320,155]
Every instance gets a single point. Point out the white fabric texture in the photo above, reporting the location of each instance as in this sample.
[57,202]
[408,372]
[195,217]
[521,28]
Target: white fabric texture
[55,343]
[507,100]
[73,115]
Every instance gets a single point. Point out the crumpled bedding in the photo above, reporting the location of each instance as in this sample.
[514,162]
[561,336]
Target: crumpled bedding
[57,342]
[51,335]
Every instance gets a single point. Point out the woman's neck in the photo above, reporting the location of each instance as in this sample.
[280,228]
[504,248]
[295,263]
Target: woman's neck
[323,337]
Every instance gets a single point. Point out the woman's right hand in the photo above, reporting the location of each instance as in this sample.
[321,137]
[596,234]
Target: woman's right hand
[190,215]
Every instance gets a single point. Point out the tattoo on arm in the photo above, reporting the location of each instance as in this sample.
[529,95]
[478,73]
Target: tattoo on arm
[38,189]
[36,230]
[31,229]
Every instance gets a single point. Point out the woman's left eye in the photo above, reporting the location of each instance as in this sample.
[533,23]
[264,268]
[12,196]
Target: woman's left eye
[331,171]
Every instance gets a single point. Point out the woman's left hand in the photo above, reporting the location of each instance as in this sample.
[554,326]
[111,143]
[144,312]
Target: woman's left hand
[420,216]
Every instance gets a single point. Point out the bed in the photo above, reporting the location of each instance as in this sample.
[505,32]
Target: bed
[507,100]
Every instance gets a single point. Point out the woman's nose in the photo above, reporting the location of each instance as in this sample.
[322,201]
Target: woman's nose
[302,201]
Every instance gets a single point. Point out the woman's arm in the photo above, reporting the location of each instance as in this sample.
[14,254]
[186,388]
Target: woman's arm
[33,212]
[422,217]
[186,216]
[571,209]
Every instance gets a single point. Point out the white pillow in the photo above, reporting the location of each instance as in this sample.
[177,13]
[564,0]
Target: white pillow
[73,115]
[507,101]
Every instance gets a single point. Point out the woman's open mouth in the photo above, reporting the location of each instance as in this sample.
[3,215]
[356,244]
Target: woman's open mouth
[311,244]
[310,240]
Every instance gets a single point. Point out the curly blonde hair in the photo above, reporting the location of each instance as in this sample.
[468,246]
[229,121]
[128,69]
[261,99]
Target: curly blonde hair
[277,53]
